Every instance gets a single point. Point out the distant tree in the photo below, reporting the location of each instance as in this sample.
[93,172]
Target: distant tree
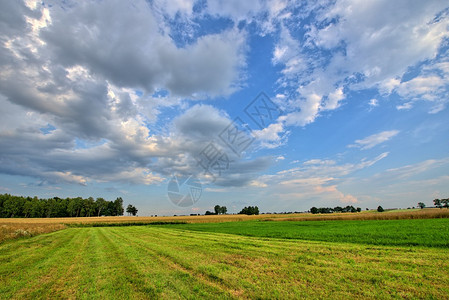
[134,212]
[118,207]
[445,202]
[421,205]
[131,210]
[325,210]
[209,213]
[224,210]
[219,210]
[101,204]
[380,209]
[89,207]
[18,206]
[250,210]
[437,203]
[338,209]
[314,210]
[359,209]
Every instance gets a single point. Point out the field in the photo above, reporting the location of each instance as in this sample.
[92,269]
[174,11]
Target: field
[249,258]
[406,232]
[12,228]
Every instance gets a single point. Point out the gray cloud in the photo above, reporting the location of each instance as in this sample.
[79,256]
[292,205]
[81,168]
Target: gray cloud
[202,122]
[12,17]
[122,42]
[73,68]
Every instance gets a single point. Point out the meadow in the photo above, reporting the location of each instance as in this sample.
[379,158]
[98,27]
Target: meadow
[250,258]
[404,232]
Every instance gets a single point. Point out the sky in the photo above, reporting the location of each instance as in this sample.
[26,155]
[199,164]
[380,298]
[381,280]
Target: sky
[179,105]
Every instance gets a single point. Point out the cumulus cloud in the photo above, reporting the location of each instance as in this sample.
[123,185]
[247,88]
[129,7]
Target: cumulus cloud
[272,136]
[141,57]
[81,82]
[85,86]
[374,140]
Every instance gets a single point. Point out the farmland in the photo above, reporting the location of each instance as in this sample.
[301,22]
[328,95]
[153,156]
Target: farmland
[405,232]
[252,257]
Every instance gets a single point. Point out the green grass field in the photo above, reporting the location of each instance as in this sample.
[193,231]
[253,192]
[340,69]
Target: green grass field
[406,232]
[178,261]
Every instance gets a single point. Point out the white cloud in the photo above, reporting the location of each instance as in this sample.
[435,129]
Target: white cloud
[235,9]
[172,7]
[308,111]
[355,45]
[333,101]
[375,139]
[407,32]
[415,169]
[424,87]
[315,180]
[428,87]
[78,67]
[388,85]
[286,53]
[373,103]
[143,57]
[272,136]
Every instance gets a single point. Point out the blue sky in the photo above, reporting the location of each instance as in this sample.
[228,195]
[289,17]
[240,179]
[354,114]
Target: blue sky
[115,98]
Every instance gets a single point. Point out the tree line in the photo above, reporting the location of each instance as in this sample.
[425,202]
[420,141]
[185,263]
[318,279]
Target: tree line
[440,203]
[218,210]
[221,210]
[329,210]
[249,210]
[27,207]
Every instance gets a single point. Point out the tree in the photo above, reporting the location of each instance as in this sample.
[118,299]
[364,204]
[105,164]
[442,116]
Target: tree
[380,209]
[437,203]
[89,207]
[338,209]
[445,202]
[101,204]
[131,210]
[224,210]
[219,210]
[359,209]
[118,207]
[250,210]
[18,206]
[314,210]
[421,205]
